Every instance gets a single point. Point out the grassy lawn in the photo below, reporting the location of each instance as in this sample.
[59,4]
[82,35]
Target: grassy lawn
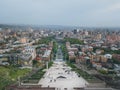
[9,75]
[4,82]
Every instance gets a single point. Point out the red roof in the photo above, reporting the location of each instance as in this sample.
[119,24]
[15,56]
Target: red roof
[37,58]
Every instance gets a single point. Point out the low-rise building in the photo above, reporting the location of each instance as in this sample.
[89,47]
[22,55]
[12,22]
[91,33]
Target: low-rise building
[108,56]
[47,55]
[71,55]
[27,55]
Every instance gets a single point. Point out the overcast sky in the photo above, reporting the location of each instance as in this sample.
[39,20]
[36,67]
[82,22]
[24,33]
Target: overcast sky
[61,12]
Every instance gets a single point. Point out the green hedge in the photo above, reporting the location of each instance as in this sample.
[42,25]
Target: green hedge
[38,75]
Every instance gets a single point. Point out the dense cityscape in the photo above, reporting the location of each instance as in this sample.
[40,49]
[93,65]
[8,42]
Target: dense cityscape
[37,58]
[59,44]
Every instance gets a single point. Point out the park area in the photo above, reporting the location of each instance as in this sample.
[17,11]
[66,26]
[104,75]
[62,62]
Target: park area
[9,75]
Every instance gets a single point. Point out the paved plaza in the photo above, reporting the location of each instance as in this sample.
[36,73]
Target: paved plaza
[60,76]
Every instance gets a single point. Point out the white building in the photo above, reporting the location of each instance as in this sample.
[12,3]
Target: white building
[27,55]
[30,50]
[108,56]
[46,55]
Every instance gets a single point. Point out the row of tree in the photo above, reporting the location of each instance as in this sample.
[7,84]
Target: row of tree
[73,41]
[65,52]
[54,50]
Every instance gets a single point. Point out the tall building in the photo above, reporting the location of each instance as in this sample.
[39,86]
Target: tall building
[75,31]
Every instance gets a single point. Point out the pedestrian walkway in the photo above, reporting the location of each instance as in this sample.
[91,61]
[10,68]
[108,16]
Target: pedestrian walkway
[60,76]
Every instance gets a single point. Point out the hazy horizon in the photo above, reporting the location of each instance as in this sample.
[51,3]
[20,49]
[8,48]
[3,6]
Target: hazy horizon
[86,13]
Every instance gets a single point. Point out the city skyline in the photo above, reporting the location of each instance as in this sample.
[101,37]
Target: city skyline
[90,13]
[82,58]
